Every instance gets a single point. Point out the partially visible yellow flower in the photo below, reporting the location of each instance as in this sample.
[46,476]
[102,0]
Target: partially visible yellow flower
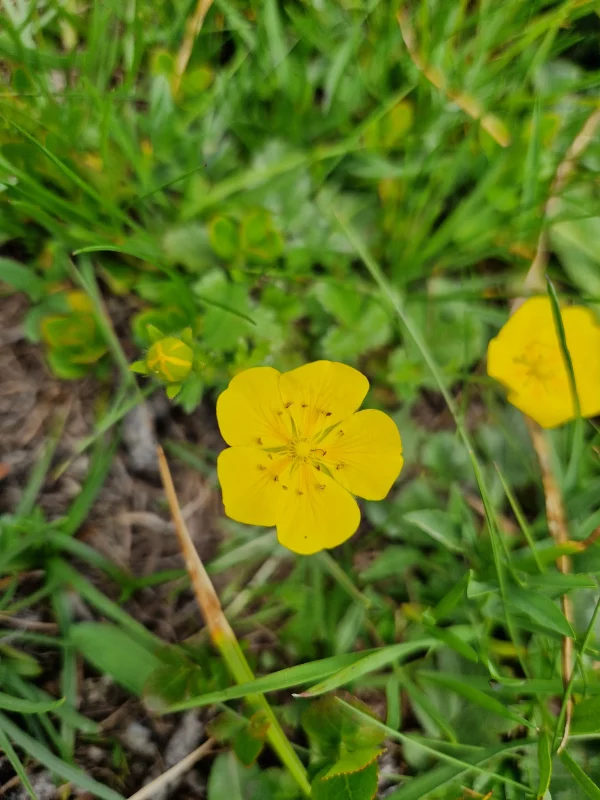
[299,452]
[527,358]
[170,359]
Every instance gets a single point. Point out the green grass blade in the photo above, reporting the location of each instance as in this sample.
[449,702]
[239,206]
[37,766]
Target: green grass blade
[15,762]
[585,783]
[45,757]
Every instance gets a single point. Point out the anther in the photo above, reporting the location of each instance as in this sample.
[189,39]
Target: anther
[318,466]
[319,452]
[283,486]
[328,414]
[340,433]
[320,486]
[261,467]
[276,478]
[259,441]
[287,405]
[339,466]
[304,405]
[299,492]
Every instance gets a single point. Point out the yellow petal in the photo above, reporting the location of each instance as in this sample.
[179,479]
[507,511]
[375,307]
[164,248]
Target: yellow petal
[527,358]
[249,481]
[250,410]
[320,394]
[315,512]
[583,340]
[364,454]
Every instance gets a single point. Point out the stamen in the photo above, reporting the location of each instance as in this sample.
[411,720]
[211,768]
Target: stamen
[259,441]
[340,433]
[320,486]
[287,405]
[276,478]
[299,492]
[283,486]
[339,466]
[328,413]
[319,452]
[261,467]
[304,405]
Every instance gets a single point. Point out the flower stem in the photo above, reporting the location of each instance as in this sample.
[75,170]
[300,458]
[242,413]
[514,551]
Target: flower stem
[221,633]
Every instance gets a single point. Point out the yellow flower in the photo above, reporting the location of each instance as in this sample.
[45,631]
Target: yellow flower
[299,452]
[527,358]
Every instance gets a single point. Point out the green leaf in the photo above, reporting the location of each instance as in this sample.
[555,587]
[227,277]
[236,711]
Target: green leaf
[224,238]
[540,609]
[55,764]
[544,755]
[360,785]
[173,390]
[250,740]
[423,786]
[450,639]
[586,716]
[475,696]
[228,779]
[283,679]
[581,779]
[110,649]
[438,525]
[20,278]
[370,663]
[10,703]
[335,733]
[139,367]
[15,762]
[354,761]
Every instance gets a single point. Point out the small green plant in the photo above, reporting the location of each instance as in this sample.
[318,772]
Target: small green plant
[172,360]
[74,341]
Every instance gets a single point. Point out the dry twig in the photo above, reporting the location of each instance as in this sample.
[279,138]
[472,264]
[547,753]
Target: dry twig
[175,772]
[555,509]
[192,29]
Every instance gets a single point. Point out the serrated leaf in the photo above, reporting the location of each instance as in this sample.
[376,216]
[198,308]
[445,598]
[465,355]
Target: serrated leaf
[350,786]
[354,761]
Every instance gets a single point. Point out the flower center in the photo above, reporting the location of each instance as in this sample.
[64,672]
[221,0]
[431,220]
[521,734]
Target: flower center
[300,449]
[539,363]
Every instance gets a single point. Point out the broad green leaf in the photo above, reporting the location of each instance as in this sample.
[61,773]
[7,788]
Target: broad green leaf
[391,562]
[586,784]
[452,640]
[475,696]
[586,716]
[224,237]
[110,649]
[354,761]
[360,785]
[21,278]
[438,525]
[370,663]
[540,609]
[335,733]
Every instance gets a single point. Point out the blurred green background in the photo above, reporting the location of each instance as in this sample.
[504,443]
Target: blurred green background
[244,168]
